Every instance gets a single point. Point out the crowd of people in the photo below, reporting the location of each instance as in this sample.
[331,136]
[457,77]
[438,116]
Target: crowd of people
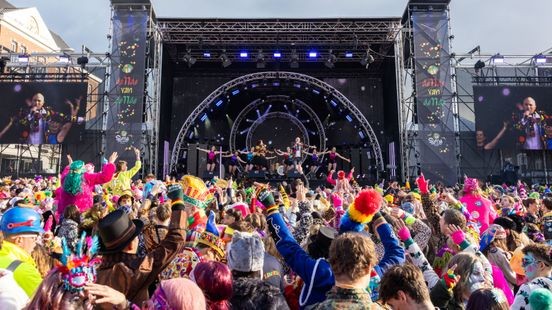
[105,239]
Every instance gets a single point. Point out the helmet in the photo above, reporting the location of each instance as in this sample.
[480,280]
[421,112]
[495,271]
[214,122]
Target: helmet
[20,220]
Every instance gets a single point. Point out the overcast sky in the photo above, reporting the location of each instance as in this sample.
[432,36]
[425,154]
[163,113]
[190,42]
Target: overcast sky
[505,26]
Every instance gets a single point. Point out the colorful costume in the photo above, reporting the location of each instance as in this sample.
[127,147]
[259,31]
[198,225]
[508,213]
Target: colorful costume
[122,179]
[78,186]
[480,208]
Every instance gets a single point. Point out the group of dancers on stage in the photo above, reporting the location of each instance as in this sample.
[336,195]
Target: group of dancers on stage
[258,159]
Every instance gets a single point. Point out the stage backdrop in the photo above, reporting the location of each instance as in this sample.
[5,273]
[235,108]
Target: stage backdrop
[505,117]
[57,120]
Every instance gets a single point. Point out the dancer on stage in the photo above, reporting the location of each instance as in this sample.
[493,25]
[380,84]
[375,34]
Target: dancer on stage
[233,162]
[332,159]
[259,156]
[297,148]
[249,159]
[288,161]
[314,160]
[211,157]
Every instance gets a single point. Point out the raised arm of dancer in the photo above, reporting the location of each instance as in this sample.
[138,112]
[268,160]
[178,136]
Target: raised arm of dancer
[491,145]
[345,159]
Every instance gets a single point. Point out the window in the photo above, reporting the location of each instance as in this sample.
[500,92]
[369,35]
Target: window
[14,46]
[23,49]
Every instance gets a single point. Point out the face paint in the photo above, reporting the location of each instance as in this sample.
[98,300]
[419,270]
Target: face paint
[476,279]
[529,264]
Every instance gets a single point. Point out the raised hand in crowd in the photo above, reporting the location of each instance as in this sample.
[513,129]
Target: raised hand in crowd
[113,157]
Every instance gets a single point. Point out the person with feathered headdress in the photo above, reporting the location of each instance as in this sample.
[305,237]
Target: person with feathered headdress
[78,184]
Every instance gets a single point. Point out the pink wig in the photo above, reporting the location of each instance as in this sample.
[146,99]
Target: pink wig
[215,280]
[182,293]
[470,185]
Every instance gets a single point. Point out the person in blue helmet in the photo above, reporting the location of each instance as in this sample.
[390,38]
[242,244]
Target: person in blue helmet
[20,228]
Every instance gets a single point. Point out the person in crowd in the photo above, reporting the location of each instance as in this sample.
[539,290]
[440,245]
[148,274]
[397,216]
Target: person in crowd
[351,257]
[547,220]
[12,296]
[537,265]
[158,228]
[78,184]
[69,228]
[122,178]
[215,280]
[479,207]
[245,259]
[173,294]
[121,269]
[20,228]
[493,245]
[488,298]
[532,205]
[403,287]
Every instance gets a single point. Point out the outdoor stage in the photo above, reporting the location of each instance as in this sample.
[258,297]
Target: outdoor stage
[331,82]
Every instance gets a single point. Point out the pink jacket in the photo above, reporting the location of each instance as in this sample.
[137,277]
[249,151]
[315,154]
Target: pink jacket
[481,210]
[84,199]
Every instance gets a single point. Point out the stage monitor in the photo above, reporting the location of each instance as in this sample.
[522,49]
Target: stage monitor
[513,117]
[42,112]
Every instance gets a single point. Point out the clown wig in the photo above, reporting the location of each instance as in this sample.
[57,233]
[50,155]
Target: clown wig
[73,180]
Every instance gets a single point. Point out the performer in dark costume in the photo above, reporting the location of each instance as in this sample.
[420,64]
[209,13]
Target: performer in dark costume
[211,157]
[234,162]
[332,159]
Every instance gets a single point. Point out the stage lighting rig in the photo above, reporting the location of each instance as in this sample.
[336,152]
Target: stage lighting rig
[330,61]
[224,59]
[478,66]
[189,59]
[261,63]
[294,59]
[82,61]
[367,59]
[540,59]
[497,59]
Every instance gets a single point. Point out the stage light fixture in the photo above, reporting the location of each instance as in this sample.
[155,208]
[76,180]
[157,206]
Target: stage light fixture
[348,54]
[244,55]
[277,55]
[294,60]
[479,65]
[313,54]
[23,58]
[330,61]
[225,60]
[367,59]
[497,59]
[189,59]
[82,61]
[540,59]
[207,54]
[261,63]
[204,117]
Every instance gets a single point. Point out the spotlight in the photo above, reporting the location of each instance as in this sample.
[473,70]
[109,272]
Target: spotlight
[23,58]
[330,61]
[348,54]
[313,54]
[244,55]
[478,66]
[367,59]
[225,60]
[497,59]
[207,54]
[82,61]
[189,59]
[294,60]
[277,55]
[540,59]
[261,64]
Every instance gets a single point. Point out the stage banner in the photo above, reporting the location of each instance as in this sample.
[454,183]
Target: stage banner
[434,105]
[42,112]
[126,97]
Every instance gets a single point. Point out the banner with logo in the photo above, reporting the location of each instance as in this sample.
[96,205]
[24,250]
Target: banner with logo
[434,106]
[126,96]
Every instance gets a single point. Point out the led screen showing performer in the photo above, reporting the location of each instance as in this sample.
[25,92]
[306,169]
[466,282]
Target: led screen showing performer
[42,113]
[513,117]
